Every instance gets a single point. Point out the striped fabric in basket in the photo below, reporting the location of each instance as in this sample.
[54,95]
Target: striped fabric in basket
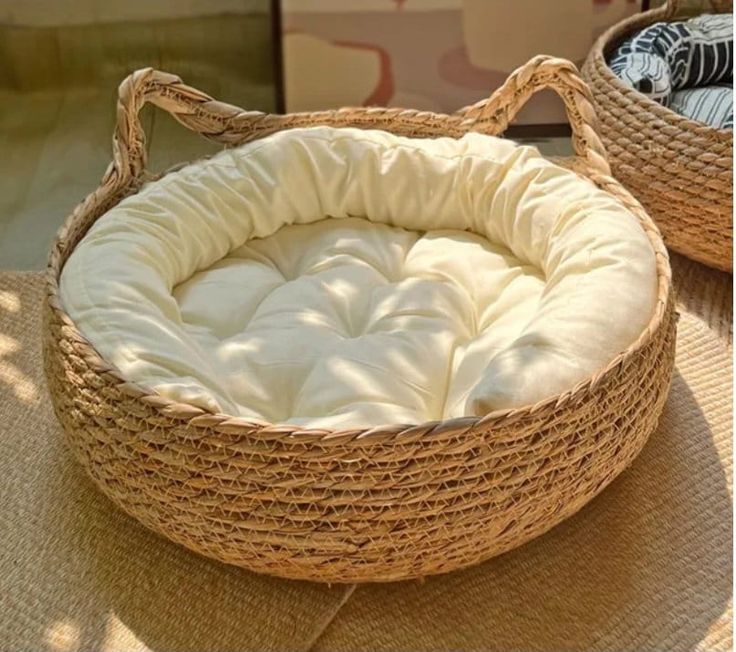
[686,66]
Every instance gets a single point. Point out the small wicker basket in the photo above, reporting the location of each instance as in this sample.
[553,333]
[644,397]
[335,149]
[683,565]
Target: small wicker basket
[680,170]
[393,502]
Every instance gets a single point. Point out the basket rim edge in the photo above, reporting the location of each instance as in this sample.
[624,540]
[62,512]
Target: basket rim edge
[202,418]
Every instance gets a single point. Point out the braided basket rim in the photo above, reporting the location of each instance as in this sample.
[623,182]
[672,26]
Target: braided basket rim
[200,417]
[364,117]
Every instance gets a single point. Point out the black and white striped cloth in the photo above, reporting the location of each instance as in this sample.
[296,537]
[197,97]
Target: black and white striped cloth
[686,66]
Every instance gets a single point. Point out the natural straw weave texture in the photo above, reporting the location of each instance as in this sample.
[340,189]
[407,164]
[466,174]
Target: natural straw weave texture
[399,501]
[680,170]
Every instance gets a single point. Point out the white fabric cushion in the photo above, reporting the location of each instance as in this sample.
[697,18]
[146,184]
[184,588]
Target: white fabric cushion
[464,276]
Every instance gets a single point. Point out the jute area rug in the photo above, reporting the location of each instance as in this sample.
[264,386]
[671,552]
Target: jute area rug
[647,565]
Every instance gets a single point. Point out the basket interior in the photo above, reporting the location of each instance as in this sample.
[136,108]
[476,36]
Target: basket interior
[455,277]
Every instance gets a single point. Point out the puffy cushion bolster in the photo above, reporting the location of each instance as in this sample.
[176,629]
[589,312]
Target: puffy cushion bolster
[453,277]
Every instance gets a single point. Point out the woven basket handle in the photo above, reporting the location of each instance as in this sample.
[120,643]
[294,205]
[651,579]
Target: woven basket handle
[192,108]
[494,114]
[231,125]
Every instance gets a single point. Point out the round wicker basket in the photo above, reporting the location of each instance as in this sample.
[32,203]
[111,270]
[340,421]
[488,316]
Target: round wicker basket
[389,503]
[680,170]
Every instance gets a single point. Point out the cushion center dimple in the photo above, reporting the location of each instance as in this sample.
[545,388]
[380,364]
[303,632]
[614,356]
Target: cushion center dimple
[404,323]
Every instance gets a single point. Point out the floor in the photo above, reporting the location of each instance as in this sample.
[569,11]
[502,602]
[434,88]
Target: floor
[57,110]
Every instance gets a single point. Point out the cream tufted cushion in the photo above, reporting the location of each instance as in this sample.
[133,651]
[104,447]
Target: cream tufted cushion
[464,276]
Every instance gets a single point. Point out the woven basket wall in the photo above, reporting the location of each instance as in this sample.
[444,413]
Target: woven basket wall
[395,502]
[680,170]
